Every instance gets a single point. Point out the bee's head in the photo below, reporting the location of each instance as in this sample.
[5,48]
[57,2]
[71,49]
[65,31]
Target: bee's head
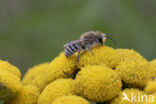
[102,38]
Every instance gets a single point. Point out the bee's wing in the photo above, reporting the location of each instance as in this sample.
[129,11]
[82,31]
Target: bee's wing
[75,42]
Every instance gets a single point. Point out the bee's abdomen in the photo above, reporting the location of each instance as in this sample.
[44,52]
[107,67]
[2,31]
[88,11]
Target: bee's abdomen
[71,49]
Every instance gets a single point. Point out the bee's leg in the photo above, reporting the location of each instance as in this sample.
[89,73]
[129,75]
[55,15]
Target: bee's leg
[78,56]
[89,50]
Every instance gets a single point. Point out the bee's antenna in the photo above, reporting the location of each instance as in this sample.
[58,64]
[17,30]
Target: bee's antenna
[112,39]
[109,34]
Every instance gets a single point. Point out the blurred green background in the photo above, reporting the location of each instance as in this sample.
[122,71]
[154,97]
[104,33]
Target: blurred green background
[34,31]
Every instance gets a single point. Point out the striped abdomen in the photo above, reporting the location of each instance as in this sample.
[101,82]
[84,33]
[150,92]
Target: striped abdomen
[71,49]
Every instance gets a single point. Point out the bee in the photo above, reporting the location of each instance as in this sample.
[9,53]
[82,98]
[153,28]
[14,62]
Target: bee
[86,41]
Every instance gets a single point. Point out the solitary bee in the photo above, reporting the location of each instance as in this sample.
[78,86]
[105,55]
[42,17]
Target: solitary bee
[86,41]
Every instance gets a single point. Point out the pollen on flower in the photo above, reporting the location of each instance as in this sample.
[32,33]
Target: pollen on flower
[9,85]
[70,100]
[97,83]
[28,95]
[57,89]
[33,73]
[6,66]
[130,96]
[103,55]
[136,73]
[129,54]
[60,67]
[151,87]
[153,63]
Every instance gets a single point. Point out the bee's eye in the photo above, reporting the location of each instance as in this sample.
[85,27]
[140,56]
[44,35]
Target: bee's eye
[100,39]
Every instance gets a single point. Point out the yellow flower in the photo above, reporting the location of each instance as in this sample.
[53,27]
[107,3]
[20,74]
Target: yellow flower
[9,85]
[129,54]
[97,83]
[60,67]
[28,95]
[56,89]
[6,66]
[153,62]
[70,100]
[136,73]
[103,55]
[125,97]
[33,73]
[151,87]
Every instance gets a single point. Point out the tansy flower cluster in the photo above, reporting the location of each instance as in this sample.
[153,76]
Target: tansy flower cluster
[109,76]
